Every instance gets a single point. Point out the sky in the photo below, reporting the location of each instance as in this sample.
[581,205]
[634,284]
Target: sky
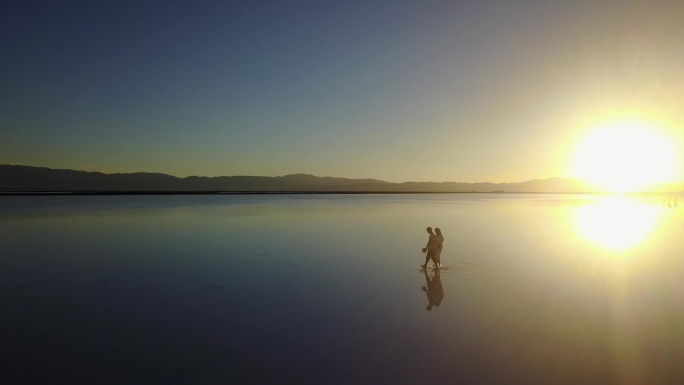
[466,91]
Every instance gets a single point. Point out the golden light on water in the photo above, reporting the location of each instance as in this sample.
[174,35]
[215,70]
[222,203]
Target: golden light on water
[617,223]
[625,155]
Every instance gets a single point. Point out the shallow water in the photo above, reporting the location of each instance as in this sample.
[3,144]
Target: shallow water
[312,289]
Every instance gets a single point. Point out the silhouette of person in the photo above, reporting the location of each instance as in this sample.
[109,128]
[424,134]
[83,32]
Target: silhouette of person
[430,249]
[440,245]
[434,290]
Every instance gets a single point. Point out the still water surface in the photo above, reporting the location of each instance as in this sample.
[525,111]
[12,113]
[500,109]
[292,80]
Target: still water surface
[325,289]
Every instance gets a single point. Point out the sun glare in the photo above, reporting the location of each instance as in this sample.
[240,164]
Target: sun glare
[625,156]
[616,223]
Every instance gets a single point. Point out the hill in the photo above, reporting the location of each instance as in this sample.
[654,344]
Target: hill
[14,178]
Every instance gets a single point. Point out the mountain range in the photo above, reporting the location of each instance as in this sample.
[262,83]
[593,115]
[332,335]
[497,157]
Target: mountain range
[25,179]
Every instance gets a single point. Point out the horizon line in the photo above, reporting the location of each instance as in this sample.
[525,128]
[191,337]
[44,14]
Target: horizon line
[663,186]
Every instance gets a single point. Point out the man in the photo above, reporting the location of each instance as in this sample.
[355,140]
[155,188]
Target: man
[430,249]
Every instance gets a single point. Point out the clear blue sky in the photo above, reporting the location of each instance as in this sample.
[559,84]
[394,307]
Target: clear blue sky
[395,90]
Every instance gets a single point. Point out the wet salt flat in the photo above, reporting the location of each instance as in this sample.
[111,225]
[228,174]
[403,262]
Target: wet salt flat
[313,289]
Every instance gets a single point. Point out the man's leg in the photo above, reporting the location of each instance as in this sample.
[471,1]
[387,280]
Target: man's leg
[427,259]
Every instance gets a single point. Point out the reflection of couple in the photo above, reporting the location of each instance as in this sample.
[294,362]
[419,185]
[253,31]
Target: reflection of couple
[433,249]
[433,289]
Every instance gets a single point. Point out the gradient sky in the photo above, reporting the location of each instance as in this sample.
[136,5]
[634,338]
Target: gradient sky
[466,91]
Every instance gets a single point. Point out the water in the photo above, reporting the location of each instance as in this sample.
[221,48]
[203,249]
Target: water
[325,289]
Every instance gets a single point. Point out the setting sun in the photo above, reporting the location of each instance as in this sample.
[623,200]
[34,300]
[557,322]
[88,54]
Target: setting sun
[625,155]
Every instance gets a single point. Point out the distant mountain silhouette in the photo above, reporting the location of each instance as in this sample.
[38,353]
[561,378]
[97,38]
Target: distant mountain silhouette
[15,178]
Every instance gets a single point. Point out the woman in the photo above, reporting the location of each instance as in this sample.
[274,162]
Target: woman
[440,244]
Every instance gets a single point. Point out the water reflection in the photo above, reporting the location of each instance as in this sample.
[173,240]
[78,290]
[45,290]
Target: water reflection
[205,286]
[616,223]
[433,288]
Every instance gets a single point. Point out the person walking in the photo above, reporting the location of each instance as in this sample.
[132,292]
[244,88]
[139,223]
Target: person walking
[430,249]
[439,240]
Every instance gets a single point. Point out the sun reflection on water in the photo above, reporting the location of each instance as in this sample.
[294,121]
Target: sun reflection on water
[617,223]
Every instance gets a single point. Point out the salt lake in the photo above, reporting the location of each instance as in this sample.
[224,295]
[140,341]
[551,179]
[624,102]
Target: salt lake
[326,289]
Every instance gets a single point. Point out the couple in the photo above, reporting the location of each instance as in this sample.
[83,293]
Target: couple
[433,249]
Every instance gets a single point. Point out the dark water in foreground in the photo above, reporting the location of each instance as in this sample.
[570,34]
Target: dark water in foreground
[307,289]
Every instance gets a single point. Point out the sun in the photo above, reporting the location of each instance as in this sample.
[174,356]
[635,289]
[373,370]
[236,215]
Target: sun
[626,155]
